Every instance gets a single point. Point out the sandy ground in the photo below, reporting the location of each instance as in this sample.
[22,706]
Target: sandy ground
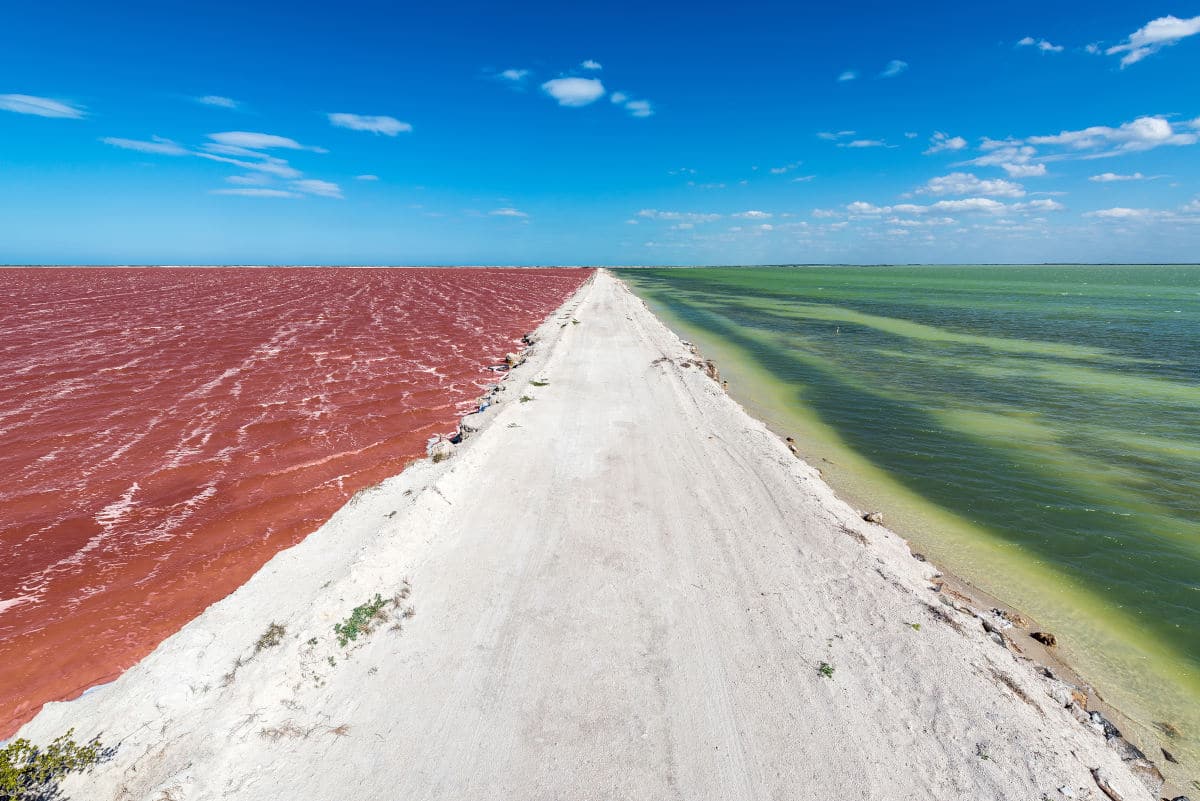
[624,588]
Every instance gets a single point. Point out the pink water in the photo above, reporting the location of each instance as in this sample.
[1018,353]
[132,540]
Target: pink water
[164,432]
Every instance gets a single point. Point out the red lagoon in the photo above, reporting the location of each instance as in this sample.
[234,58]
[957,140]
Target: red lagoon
[164,432]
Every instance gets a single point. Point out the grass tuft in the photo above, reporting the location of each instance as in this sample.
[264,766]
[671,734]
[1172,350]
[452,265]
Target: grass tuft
[271,637]
[27,771]
[826,670]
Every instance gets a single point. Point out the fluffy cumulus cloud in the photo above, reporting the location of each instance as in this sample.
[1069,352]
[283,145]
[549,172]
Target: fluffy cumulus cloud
[1154,36]
[156,145]
[591,64]
[1040,44]
[40,107]
[218,100]
[894,68]
[1144,133]
[639,108]
[965,183]
[376,124]
[941,141]
[860,209]
[753,215]
[574,92]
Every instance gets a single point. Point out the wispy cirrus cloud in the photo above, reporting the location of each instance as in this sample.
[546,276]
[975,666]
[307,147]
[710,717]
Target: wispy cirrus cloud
[376,124]
[366,177]
[831,136]
[847,75]
[894,67]
[41,107]
[860,143]
[255,192]
[1154,36]
[507,211]
[156,144]
[678,216]
[941,141]
[574,92]
[1111,177]
[219,101]
[314,186]
[250,140]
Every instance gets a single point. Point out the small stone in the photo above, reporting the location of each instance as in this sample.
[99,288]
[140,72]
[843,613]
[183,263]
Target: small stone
[1078,712]
[1080,696]
[1105,784]
[920,557]
[1181,798]
[1066,791]
[1045,638]
[874,517]
[997,638]
[1060,694]
[1167,755]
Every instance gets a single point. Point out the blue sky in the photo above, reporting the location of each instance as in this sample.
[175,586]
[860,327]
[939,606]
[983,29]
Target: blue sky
[639,133]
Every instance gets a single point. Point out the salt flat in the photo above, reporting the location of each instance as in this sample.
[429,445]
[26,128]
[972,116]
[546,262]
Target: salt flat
[624,587]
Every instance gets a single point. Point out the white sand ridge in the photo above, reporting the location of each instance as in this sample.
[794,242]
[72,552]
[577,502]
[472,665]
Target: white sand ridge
[624,587]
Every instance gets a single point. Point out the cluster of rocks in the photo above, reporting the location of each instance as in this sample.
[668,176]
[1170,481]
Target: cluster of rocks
[441,448]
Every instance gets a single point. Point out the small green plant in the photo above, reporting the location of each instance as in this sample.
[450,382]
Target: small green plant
[826,670]
[313,641]
[332,662]
[361,621]
[27,771]
[574,321]
[915,626]
[525,399]
[981,752]
[439,456]
[540,383]
[271,637]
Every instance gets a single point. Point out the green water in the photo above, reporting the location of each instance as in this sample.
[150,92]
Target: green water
[1035,429]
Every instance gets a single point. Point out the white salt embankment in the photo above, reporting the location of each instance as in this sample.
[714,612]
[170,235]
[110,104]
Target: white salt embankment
[620,586]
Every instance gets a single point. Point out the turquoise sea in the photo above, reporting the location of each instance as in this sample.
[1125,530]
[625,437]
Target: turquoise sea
[1033,429]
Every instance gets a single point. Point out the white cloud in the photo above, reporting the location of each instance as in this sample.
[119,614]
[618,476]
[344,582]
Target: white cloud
[786,168]
[799,179]
[255,192]
[830,136]
[268,164]
[766,227]
[1154,36]
[312,186]
[1120,213]
[965,183]
[591,64]
[639,108]
[864,143]
[860,209]
[217,100]
[574,92]
[753,215]
[894,68]
[848,75]
[388,126]
[1041,44]
[1093,48]
[367,177]
[680,216]
[40,107]
[248,180]
[1109,177]
[514,75]
[619,97]
[941,141]
[156,145]
[507,212]
[258,141]
[1024,170]
[1144,133]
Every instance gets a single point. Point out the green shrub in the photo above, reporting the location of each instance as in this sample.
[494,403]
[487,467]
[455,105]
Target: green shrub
[27,771]
[361,621]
